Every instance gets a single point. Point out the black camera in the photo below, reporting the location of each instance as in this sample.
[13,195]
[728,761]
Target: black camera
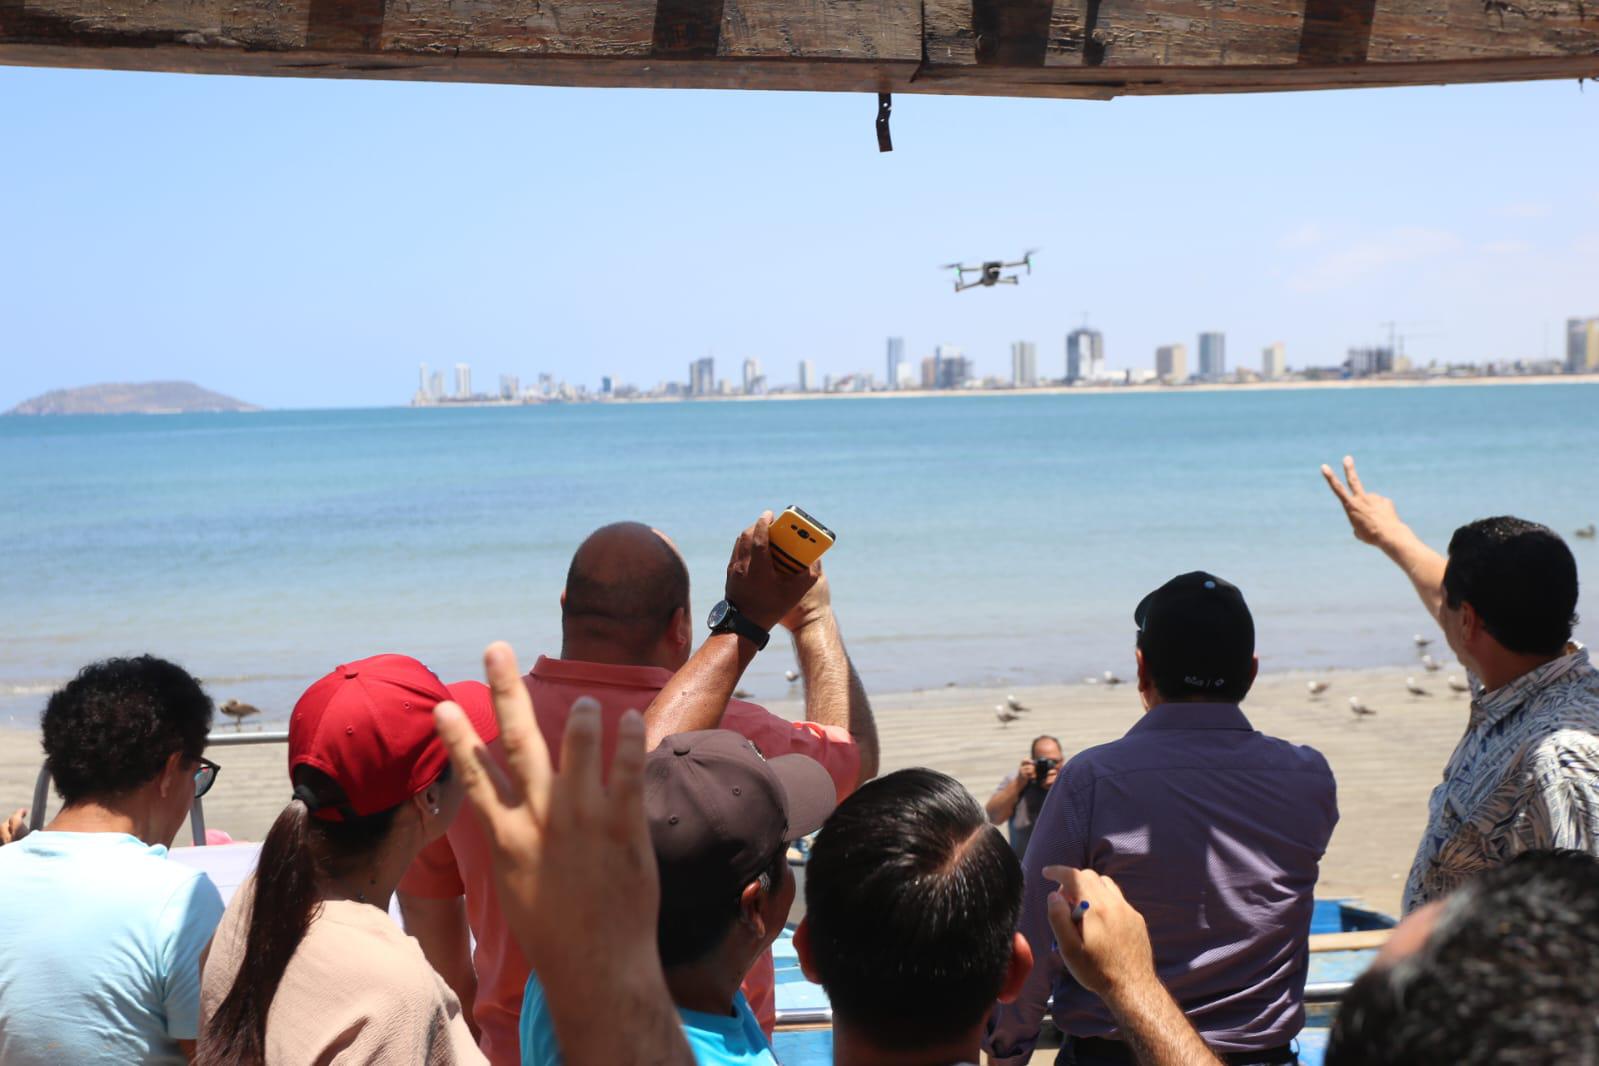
[1042,767]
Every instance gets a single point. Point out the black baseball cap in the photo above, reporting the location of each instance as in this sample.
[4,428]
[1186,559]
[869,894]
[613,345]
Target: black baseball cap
[719,811]
[1197,635]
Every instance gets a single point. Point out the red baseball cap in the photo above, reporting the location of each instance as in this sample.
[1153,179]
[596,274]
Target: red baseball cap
[368,725]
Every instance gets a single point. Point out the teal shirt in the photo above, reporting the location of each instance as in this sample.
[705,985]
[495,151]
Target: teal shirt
[100,941]
[716,1040]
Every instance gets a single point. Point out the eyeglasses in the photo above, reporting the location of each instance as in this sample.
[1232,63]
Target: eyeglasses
[205,775]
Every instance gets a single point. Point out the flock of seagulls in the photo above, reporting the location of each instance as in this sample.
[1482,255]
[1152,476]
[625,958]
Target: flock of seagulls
[1360,709]
[1108,678]
[1010,710]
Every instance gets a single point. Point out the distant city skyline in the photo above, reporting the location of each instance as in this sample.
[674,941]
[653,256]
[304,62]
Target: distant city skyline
[771,230]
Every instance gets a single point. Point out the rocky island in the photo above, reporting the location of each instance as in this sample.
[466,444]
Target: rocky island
[143,398]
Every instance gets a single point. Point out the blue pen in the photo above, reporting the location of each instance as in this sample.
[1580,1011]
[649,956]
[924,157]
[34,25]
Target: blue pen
[1079,910]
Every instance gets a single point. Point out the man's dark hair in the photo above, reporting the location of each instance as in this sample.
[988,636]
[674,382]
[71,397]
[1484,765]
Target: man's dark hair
[1509,975]
[912,900]
[692,923]
[626,582]
[1519,577]
[112,728]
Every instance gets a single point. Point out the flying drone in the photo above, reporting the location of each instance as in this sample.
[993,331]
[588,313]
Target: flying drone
[991,272]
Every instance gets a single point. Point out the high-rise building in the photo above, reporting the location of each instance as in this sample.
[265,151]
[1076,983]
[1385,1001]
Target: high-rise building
[951,370]
[510,386]
[702,377]
[436,386]
[422,383]
[754,380]
[1273,361]
[1085,355]
[807,376]
[1364,362]
[1024,364]
[1582,344]
[896,360]
[930,372]
[607,385]
[1171,364]
[1212,356]
[463,381]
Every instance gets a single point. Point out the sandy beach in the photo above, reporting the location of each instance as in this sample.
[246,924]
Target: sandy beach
[1386,764]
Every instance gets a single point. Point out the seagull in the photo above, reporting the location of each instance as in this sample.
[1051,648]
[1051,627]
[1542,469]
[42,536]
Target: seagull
[1458,685]
[791,676]
[1111,678]
[742,694]
[1415,689]
[1432,665]
[1317,687]
[1005,715]
[1421,641]
[1588,532]
[1014,704]
[1360,710]
[238,712]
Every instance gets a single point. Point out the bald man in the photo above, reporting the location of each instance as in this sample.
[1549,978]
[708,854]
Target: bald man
[626,630]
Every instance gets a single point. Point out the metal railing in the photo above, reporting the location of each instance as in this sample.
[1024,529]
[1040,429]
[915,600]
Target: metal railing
[41,785]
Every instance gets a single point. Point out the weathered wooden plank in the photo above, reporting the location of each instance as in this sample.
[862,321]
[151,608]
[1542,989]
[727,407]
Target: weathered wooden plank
[1049,48]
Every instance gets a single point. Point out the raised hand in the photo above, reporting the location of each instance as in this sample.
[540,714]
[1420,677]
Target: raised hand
[15,827]
[763,593]
[1106,945]
[574,871]
[1373,518]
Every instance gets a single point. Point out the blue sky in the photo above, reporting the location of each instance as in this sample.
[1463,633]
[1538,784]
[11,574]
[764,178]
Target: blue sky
[306,243]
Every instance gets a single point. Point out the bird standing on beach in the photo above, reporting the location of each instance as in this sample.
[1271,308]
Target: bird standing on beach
[1005,715]
[1432,665]
[1360,710]
[1015,704]
[238,712]
[1458,685]
[1111,678]
[1316,688]
[1421,641]
[791,676]
[1415,689]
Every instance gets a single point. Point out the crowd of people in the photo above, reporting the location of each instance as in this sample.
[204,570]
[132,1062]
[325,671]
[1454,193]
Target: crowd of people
[614,890]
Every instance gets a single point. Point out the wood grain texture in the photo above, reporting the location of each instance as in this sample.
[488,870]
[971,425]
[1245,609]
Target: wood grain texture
[1087,49]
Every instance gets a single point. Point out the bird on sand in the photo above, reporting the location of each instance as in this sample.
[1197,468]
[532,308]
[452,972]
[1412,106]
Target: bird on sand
[1015,704]
[1415,689]
[1458,685]
[1005,715]
[238,712]
[1358,709]
[1111,678]
[1421,641]
[1432,665]
[742,694]
[1317,687]
[791,676]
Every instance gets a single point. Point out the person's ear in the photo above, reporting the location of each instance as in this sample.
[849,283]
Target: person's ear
[802,951]
[563,600]
[681,629]
[1254,669]
[751,905]
[174,774]
[1470,623]
[1021,964]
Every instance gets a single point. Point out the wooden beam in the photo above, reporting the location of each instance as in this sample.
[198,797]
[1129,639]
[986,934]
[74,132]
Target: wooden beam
[1086,49]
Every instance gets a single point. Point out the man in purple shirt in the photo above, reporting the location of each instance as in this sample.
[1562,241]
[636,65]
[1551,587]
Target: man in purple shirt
[1213,830]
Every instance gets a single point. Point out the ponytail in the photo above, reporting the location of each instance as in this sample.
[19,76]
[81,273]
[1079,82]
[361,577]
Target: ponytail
[297,851]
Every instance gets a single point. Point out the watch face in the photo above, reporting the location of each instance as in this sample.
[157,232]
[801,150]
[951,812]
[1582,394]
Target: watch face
[718,613]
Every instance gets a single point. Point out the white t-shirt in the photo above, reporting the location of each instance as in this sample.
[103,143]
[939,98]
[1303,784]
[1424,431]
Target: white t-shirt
[100,941]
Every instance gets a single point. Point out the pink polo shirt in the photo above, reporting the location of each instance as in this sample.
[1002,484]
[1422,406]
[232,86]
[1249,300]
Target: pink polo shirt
[458,864]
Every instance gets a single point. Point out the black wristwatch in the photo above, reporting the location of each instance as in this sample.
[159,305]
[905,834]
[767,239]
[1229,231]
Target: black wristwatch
[725,618]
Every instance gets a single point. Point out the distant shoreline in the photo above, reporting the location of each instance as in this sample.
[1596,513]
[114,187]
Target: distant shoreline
[1055,390]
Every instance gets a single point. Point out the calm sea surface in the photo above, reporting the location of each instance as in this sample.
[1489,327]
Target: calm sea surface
[1001,538]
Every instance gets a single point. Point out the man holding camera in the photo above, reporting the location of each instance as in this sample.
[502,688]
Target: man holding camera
[1020,797]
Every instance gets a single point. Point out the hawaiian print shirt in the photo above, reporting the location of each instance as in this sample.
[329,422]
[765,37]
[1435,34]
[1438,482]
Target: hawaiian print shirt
[1525,776]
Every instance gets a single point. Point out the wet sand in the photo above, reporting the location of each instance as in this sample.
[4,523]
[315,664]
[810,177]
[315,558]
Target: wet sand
[1386,764]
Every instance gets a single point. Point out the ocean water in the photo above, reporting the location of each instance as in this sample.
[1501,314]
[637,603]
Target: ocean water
[992,539]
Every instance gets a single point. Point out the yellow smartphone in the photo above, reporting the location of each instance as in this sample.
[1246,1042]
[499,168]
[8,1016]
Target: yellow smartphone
[797,540]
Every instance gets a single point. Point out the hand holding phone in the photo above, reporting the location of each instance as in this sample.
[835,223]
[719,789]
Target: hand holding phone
[798,540]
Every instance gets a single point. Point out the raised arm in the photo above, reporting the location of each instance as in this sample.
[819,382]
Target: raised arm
[1105,945]
[834,694]
[1002,804]
[574,871]
[698,693]
[1375,521]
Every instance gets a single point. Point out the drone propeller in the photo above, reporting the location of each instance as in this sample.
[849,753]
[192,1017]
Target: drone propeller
[1027,258]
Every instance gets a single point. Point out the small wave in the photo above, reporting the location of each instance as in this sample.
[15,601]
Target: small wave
[43,688]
